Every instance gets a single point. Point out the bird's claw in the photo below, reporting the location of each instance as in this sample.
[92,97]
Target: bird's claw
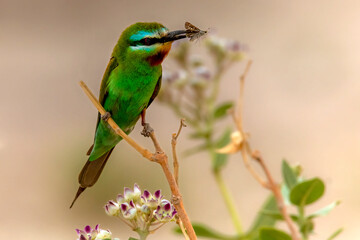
[106,116]
[147,130]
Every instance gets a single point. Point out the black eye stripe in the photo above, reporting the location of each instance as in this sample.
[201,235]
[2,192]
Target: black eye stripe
[145,41]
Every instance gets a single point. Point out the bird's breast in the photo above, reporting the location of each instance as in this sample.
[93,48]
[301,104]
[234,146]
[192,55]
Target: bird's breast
[130,95]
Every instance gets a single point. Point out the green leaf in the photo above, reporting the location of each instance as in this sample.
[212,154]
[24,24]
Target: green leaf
[289,175]
[221,110]
[262,219]
[219,160]
[273,234]
[335,234]
[202,230]
[324,211]
[131,238]
[285,192]
[224,139]
[307,192]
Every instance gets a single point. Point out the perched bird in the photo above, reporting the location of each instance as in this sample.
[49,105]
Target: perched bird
[130,83]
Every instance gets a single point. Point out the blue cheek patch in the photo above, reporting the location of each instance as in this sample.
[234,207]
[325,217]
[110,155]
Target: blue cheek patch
[144,48]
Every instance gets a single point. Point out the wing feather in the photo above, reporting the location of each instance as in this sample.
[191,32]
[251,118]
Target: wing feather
[103,89]
[104,83]
[156,91]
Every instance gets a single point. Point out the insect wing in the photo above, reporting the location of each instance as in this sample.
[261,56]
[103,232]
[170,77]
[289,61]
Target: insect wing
[193,32]
[189,26]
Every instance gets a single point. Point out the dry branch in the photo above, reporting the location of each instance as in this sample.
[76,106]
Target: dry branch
[173,146]
[159,156]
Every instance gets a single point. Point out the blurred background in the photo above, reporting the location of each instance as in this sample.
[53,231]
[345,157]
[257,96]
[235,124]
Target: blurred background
[302,103]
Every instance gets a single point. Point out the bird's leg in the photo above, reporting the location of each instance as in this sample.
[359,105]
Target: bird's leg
[143,113]
[106,116]
[147,129]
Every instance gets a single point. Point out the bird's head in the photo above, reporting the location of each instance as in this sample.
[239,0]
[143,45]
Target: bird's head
[146,42]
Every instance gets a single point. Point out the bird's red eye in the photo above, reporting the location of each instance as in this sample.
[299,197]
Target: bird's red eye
[146,41]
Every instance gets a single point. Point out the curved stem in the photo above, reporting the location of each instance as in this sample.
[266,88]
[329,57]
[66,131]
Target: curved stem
[229,202]
[224,190]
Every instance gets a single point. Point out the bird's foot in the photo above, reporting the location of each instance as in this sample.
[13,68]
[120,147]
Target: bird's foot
[106,116]
[147,130]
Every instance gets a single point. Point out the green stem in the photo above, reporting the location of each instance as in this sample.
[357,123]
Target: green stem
[215,89]
[228,199]
[302,221]
[229,202]
[142,234]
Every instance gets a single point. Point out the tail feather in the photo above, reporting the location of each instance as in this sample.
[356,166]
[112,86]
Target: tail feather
[80,190]
[92,170]
[91,173]
[90,150]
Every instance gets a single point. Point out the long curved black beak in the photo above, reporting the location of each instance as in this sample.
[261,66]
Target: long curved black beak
[174,35]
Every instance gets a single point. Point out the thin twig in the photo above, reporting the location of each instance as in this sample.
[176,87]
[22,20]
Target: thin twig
[173,146]
[156,143]
[159,156]
[238,117]
[253,172]
[182,124]
[241,98]
[246,151]
[277,194]
[153,230]
[181,225]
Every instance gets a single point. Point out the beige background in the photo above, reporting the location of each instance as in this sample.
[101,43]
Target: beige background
[302,103]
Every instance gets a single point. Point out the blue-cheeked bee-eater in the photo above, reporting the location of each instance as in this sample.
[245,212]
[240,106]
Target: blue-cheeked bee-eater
[130,83]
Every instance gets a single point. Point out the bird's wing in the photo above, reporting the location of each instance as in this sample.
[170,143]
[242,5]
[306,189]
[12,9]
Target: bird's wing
[156,91]
[104,83]
[103,89]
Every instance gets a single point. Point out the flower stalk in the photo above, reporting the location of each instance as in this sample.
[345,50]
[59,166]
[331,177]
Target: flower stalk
[229,202]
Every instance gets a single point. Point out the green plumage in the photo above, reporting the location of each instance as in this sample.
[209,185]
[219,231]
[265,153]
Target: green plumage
[130,83]
[126,89]
[128,92]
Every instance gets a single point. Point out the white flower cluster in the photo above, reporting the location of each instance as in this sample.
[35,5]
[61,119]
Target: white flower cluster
[94,234]
[141,210]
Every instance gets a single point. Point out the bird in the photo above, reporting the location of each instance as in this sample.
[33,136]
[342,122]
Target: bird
[131,82]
